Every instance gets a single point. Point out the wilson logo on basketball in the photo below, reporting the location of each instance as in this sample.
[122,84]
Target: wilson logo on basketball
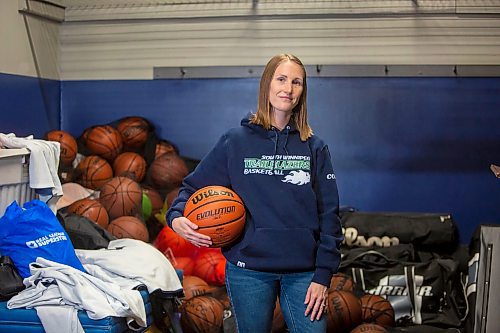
[209,193]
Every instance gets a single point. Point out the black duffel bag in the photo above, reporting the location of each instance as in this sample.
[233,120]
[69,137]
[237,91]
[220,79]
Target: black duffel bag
[426,231]
[429,293]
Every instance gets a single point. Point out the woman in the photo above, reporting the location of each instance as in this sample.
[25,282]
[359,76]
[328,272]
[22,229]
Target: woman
[284,175]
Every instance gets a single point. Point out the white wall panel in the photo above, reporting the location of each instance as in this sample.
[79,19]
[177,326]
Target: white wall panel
[346,33]
[29,44]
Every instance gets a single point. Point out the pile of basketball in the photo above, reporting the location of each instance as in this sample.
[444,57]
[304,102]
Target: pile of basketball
[346,312]
[130,188]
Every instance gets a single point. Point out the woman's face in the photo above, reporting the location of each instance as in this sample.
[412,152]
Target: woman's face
[286,87]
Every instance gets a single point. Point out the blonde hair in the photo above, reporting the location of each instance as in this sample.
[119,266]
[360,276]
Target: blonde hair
[299,113]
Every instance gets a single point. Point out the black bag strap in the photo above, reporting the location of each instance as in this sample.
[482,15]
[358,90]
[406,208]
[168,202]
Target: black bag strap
[359,259]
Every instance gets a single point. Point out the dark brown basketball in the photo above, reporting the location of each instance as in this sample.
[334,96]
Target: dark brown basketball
[121,196]
[131,165]
[91,209]
[171,196]
[105,141]
[279,325]
[168,171]
[94,172]
[202,314]
[194,286]
[134,131]
[68,145]
[155,197]
[129,227]
[343,311]
[163,147]
[369,328]
[378,310]
[341,281]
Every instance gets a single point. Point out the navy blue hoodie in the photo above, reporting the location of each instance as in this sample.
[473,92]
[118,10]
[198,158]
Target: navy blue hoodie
[290,193]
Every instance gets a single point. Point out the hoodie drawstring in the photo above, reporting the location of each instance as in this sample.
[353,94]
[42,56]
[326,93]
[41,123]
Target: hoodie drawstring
[275,147]
[286,139]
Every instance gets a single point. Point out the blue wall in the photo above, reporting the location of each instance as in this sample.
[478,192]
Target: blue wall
[398,144]
[29,106]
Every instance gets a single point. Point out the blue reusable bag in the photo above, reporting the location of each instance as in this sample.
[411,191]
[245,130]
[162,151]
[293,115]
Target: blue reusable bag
[34,231]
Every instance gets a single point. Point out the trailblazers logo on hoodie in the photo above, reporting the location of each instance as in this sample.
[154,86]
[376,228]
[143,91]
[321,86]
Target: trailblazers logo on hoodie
[294,168]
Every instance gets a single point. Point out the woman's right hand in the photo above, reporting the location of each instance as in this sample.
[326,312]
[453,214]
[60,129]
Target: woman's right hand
[187,230]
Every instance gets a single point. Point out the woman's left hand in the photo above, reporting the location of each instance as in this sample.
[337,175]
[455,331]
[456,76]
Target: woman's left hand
[316,298]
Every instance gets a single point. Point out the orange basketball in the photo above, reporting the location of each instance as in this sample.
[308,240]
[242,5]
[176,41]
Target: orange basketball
[131,165]
[128,227]
[121,196]
[343,311]
[193,286]
[168,240]
[134,131]
[94,171]
[186,264]
[209,265]
[91,209]
[68,145]
[163,147]
[376,309]
[105,141]
[219,212]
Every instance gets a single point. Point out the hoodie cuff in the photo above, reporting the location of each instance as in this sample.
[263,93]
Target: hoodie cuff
[172,215]
[322,276]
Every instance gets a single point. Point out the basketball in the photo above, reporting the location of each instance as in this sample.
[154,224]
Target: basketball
[369,328]
[155,198]
[68,145]
[171,196]
[341,281]
[202,314]
[167,172]
[169,240]
[343,311]
[91,209]
[128,227]
[376,309]
[121,196]
[186,264]
[134,131]
[104,141]
[210,266]
[94,172]
[279,324]
[131,165]
[193,286]
[163,147]
[219,212]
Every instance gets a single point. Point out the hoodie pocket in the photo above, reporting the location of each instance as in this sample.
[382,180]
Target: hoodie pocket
[282,248]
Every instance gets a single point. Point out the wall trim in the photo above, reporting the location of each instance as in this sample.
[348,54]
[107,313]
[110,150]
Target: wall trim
[206,72]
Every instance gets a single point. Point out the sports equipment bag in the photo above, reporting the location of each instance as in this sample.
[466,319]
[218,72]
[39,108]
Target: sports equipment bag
[384,229]
[420,292]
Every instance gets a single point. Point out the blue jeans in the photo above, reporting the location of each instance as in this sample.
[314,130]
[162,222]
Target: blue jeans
[253,297]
